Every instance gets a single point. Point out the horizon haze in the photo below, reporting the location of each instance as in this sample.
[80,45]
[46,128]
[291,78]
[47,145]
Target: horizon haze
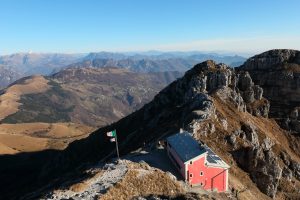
[231,27]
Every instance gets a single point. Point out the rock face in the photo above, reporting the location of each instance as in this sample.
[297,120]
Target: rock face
[264,169]
[194,88]
[292,167]
[270,59]
[258,159]
[278,73]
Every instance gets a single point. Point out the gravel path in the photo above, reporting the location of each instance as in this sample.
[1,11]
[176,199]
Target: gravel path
[96,186]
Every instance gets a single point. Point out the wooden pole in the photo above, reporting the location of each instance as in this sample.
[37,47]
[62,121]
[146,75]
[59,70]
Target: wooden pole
[117,146]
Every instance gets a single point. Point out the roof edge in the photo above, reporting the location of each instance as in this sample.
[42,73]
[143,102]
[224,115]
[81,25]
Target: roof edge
[197,157]
[224,166]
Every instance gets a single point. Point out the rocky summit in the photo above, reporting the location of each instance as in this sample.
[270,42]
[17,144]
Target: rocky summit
[278,73]
[223,107]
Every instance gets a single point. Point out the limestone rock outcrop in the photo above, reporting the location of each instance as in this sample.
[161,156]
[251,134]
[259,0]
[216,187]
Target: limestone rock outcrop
[258,159]
[278,73]
[193,91]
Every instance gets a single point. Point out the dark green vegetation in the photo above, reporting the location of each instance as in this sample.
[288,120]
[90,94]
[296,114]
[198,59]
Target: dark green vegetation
[51,106]
[90,96]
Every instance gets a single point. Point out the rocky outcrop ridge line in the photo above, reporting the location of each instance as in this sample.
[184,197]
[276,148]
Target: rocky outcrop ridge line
[278,73]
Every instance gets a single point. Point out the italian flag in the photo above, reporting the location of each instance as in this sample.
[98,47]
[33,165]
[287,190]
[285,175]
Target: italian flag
[112,134]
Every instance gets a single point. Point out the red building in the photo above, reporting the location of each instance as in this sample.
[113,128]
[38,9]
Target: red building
[197,163]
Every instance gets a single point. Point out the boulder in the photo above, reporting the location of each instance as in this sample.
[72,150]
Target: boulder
[244,81]
[218,80]
[251,134]
[224,123]
[287,173]
[285,158]
[232,140]
[294,114]
[248,95]
[267,144]
[258,92]
[295,167]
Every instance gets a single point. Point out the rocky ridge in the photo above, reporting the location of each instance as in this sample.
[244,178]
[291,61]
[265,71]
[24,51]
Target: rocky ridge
[278,73]
[37,63]
[223,107]
[159,62]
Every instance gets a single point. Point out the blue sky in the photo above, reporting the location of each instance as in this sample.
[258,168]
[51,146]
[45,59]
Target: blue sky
[74,26]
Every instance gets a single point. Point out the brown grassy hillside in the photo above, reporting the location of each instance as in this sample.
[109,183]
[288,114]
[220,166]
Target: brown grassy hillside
[94,97]
[30,137]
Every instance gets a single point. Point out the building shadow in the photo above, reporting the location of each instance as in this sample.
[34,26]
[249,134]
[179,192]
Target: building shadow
[157,158]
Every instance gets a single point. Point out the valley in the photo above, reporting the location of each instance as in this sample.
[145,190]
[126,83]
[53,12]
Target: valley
[55,110]
[90,96]
[220,106]
[149,100]
[19,65]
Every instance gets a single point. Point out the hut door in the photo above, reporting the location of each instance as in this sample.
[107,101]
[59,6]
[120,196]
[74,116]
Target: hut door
[187,176]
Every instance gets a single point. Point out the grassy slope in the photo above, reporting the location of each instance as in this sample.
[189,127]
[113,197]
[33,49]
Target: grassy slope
[51,106]
[30,137]
[94,97]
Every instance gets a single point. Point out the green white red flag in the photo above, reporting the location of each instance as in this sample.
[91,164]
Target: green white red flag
[112,134]
[114,138]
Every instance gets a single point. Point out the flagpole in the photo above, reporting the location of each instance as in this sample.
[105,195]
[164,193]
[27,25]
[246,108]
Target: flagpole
[117,146]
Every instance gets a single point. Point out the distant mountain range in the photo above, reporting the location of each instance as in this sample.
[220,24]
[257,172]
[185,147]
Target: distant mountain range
[8,75]
[35,63]
[15,66]
[156,62]
[20,65]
